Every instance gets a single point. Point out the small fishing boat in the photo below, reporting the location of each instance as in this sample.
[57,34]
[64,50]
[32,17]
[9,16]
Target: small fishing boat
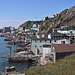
[1,73]
[10,69]
[8,39]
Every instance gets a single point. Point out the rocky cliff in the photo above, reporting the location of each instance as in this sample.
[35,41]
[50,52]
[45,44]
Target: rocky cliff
[65,18]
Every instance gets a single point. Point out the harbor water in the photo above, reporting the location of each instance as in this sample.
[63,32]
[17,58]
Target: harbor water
[4,61]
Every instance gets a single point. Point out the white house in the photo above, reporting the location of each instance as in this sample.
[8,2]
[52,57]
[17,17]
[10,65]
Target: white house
[61,41]
[40,46]
[46,50]
[58,38]
[26,30]
[35,27]
[43,45]
[20,29]
[66,31]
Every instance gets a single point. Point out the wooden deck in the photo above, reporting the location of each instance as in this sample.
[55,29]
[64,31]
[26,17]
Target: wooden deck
[25,58]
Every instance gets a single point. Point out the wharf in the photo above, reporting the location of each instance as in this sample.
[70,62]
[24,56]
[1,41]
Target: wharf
[4,56]
[23,58]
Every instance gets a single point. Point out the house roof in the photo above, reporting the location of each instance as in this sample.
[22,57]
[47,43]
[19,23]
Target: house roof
[42,39]
[57,34]
[64,47]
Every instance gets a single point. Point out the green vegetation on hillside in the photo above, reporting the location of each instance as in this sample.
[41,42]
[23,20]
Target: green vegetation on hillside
[64,66]
[27,23]
[71,27]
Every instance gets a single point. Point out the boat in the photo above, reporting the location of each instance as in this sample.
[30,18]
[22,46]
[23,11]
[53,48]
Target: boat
[8,39]
[9,70]
[1,73]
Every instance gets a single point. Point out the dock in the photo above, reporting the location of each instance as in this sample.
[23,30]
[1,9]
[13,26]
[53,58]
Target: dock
[23,58]
[4,56]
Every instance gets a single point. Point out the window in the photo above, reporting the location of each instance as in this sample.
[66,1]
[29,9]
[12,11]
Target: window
[45,40]
[50,41]
[38,51]
[47,46]
[35,46]
[40,46]
[62,42]
[55,40]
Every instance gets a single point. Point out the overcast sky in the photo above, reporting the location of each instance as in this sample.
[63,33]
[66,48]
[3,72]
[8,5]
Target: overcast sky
[16,12]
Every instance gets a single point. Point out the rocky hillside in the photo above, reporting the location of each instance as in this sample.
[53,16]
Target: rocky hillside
[66,17]
[27,24]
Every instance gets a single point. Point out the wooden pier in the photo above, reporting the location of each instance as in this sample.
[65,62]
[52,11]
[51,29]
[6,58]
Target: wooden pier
[4,57]
[23,58]
[23,52]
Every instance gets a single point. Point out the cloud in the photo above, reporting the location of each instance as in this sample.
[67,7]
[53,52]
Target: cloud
[14,23]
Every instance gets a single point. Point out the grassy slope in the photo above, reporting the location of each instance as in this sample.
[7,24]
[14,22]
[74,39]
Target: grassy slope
[61,67]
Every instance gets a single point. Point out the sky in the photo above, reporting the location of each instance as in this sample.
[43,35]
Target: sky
[16,12]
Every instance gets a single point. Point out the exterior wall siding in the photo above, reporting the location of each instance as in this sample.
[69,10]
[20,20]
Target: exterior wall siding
[39,45]
[67,41]
[46,51]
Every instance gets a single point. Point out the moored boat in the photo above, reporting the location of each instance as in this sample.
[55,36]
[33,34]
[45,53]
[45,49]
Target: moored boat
[10,69]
